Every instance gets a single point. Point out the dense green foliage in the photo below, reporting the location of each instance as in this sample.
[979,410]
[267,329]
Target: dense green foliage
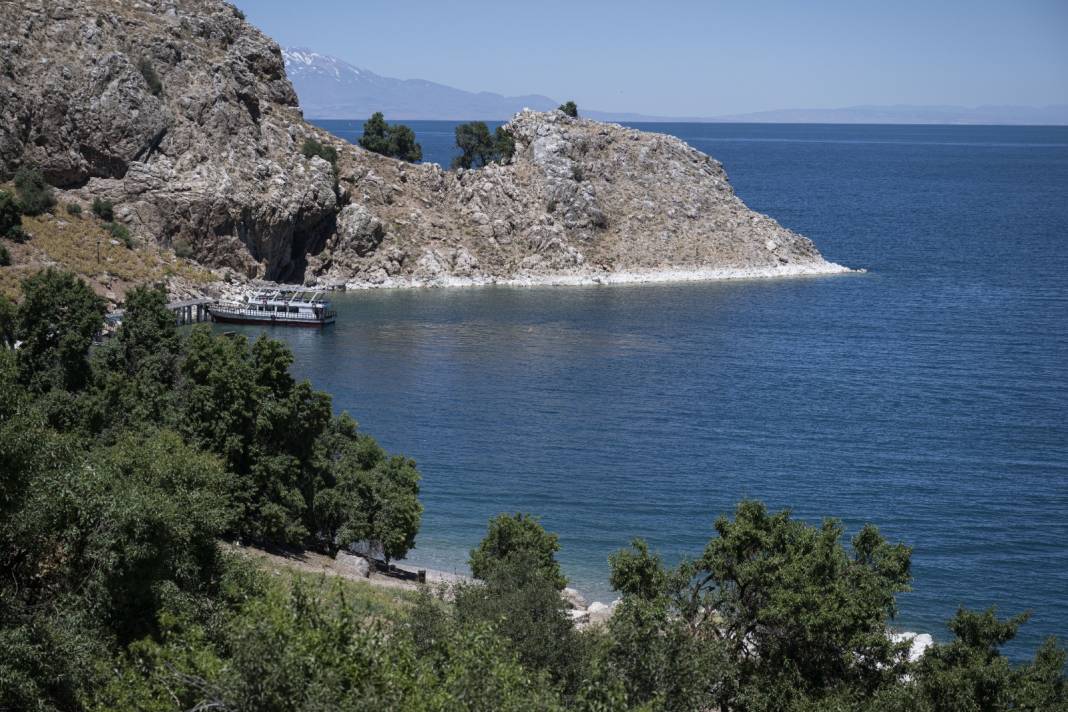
[313,147]
[16,234]
[519,535]
[396,141]
[479,148]
[569,108]
[10,215]
[74,209]
[5,256]
[123,466]
[35,195]
[103,209]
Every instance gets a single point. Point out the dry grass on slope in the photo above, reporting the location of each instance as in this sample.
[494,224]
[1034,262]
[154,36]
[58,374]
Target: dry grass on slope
[82,244]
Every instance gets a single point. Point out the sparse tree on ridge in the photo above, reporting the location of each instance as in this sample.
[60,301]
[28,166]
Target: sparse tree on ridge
[396,141]
[569,108]
[478,147]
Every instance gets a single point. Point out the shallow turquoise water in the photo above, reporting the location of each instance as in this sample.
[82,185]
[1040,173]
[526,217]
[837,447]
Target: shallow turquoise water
[929,396]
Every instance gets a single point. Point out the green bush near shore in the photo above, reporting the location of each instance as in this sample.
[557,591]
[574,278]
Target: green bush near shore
[124,465]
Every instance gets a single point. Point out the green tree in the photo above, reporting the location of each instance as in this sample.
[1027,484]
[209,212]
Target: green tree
[136,373]
[375,136]
[503,144]
[10,215]
[397,141]
[781,611]
[569,108]
[57,320]
[479,148]
[35,195]
[402,144]
[365,496]
[243,405]
[475,144]
[94,545]
[8,321]
[520,601]
[970,673]
[509,536]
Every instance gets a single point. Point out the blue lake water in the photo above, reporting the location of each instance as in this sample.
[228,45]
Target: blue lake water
[929,396]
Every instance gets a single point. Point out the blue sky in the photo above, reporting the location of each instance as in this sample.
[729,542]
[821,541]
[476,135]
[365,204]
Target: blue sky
[692,58]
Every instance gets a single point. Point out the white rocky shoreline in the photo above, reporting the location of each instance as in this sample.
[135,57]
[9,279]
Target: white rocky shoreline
[579,278]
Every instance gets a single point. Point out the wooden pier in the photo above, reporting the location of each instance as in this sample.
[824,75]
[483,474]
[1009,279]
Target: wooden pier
[192,311]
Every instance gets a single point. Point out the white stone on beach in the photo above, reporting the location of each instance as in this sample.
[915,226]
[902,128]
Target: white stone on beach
[574,598]
[919,643]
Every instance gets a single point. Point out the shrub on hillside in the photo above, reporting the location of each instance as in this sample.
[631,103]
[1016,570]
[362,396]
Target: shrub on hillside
[10,215]
[569,108]
[35,195]
[121,233]
[16,234]
[183,249]
[5,257]
[74,209]
[151,78]
[313,147]
[103,209]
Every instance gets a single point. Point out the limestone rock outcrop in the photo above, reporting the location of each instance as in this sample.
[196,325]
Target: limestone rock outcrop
[177,110]
[580,200]
[180,112]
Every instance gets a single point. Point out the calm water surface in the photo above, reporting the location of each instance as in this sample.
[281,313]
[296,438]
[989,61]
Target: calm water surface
[929,396]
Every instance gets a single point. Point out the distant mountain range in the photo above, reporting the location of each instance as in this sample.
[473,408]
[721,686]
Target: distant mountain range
[331,88]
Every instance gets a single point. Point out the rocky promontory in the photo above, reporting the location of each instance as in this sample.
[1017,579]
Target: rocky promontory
[180,112]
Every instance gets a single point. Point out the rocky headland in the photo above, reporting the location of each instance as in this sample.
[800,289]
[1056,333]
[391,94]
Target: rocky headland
[180,113]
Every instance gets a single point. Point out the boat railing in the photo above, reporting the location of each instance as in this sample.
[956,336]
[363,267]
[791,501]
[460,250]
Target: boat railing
[241,310]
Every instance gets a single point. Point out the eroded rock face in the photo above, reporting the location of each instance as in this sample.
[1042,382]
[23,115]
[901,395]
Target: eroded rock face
[579,199]
[212,157]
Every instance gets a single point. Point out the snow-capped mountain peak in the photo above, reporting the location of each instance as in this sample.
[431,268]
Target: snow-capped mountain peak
[330,87]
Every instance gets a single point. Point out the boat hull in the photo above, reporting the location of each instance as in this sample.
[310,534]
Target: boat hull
[270,320]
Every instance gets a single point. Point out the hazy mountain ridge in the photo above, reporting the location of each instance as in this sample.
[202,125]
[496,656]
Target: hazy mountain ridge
[331,88]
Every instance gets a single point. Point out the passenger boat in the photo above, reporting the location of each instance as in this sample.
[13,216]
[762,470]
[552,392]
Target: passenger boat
[291,307]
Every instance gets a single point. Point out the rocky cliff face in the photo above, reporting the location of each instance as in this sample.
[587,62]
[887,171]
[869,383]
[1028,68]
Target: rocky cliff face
[580,201]
[211,156]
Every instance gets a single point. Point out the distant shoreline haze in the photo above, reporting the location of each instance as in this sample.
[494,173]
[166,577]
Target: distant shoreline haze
[330,88]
